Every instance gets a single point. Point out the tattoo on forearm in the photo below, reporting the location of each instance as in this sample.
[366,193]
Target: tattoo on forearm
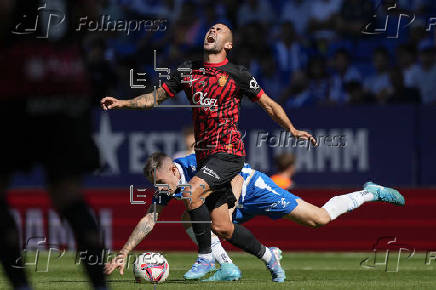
[141,231]
[135,103]
[147,101]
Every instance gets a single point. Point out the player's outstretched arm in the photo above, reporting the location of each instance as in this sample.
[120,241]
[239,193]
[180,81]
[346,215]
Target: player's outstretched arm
[277,113]
[142,102]
[142,229]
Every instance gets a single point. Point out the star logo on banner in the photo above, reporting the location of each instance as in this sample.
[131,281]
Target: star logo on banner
[108,143]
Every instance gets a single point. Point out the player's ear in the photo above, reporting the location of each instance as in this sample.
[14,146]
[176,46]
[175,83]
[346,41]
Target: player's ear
[228,45]
[173,168]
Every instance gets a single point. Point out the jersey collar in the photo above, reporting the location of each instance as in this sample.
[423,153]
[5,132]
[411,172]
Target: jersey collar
[215,64]
[182,174]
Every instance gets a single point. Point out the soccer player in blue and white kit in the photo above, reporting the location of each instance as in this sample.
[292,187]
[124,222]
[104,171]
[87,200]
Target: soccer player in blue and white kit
[257,195]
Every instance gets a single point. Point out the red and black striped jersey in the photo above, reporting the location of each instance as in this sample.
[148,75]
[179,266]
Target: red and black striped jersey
[218,88]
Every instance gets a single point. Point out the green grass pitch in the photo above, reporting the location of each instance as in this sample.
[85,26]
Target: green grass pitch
[303,271]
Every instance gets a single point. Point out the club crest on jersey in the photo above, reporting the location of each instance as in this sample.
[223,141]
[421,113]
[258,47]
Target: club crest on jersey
[222,81]
[199,98]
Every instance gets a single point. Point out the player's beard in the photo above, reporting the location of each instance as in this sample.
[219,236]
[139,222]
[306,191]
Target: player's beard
[212,50]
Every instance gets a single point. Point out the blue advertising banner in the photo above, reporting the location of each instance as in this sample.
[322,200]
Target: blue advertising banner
[356,144]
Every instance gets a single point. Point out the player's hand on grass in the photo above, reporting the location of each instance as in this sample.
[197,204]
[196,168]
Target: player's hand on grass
[117,262]
[304,135]
[109,103]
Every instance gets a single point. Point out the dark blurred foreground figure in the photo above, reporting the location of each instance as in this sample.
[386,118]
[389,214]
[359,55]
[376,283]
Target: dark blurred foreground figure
[44,112]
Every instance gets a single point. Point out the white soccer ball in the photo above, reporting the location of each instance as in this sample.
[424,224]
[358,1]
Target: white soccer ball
[151,267]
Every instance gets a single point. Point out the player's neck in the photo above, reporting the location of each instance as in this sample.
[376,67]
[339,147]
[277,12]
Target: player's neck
[214,57]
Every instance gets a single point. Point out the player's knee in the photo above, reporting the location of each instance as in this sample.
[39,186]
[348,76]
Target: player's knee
[320,219]
[224,231]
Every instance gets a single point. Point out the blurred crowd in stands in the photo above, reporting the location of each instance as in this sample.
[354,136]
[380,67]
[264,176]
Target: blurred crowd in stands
[303,53]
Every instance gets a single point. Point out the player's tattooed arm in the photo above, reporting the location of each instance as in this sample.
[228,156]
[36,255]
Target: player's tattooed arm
[141,230]
[141,102]
[278,114]
[147,101]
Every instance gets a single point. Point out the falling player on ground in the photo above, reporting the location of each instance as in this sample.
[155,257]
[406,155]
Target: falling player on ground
[257,195]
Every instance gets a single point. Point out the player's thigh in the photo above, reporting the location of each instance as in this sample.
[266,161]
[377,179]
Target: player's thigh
[264,197]
[308,214]
[220,169]
[221,221]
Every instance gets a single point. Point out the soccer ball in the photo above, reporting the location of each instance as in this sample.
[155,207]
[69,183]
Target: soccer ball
[151,267]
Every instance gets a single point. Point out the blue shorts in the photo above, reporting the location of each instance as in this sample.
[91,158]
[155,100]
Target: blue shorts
[263,197]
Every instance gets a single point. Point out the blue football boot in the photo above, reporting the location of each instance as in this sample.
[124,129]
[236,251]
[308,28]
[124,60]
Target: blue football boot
[200,268]
[386,194]
[227,272]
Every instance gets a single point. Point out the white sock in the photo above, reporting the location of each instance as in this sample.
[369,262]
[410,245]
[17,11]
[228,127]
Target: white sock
[341,204]
[267,256]
[218,251]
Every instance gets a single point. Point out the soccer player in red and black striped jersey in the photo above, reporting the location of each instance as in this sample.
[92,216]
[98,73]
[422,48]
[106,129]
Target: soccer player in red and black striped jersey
[215,88]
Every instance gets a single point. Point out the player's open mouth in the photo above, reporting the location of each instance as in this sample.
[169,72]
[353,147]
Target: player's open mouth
[210,39]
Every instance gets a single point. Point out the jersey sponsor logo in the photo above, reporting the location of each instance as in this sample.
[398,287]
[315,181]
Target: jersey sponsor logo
[199,98]
[253,84]
[210,172]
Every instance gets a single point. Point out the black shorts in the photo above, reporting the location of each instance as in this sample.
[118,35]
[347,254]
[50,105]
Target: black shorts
[218,170]
[62,144]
